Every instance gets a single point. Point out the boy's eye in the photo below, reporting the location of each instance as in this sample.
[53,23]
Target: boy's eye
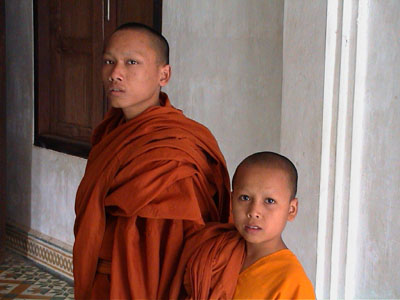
[270,201]
[244,198]
[108,61]
[132,62]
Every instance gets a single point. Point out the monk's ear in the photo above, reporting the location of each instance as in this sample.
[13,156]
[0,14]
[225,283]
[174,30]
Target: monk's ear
[165,74]
[293,205]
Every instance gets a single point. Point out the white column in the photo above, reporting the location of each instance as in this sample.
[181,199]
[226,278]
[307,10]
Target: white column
[337,147]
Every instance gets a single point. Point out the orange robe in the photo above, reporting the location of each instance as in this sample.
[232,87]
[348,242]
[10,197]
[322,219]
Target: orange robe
[213,269]
[275,276]
[149,183]
[211,260]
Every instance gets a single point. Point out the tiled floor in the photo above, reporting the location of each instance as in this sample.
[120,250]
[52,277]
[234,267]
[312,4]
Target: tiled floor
[22,279]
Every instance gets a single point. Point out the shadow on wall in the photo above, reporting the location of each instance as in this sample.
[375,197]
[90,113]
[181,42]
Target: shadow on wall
[19,110]
[3,126]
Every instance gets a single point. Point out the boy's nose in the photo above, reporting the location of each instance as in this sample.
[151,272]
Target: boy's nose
[253,211]
[253,215]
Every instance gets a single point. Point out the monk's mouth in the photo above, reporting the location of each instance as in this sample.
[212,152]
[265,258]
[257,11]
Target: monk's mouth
[115,91]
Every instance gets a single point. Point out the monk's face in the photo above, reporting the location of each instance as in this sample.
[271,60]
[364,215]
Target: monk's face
[262,205]
[132,75]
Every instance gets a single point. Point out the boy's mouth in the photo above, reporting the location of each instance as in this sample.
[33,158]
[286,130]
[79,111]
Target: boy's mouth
[252,228]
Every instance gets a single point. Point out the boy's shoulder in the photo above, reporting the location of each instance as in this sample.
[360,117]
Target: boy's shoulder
[284,266]
[286,260]
[279,273]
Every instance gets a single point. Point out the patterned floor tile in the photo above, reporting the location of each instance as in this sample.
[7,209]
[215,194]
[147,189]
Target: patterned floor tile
[22,279]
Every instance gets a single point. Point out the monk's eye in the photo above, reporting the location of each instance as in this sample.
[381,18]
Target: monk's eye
[270,201]
[244,198]
[132,62]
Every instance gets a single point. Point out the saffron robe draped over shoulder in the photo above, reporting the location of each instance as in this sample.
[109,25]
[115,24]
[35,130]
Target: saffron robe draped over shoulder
[213,269]
[160,176]
[275,276]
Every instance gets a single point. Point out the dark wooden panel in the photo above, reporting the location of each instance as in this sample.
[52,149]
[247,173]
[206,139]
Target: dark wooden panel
[139,11]
[76,99]
[74,68]
[99,104]
[42,66]
[143,11]
[76,18]
[70,93]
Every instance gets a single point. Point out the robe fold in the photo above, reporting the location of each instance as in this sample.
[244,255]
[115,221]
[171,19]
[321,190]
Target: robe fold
[149,183]
[214,257]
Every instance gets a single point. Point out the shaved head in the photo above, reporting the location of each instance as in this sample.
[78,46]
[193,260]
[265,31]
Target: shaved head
[158,42]
[271,160]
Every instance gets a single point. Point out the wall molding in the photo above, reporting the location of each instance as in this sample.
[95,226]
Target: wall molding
[346,35]
[46,251]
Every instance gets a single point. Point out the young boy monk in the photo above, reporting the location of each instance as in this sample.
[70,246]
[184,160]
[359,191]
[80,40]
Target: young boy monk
[153,177]
[251,261]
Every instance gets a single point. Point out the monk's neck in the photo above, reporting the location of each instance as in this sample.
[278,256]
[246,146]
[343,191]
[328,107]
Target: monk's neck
[131,112]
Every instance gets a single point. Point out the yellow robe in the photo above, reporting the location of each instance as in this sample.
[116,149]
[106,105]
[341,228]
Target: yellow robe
[276,276]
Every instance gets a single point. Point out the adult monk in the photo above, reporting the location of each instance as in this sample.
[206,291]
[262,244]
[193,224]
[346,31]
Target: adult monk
[153,178]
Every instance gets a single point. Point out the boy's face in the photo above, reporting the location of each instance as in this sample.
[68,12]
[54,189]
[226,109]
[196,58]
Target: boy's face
[262,205]
[131,74]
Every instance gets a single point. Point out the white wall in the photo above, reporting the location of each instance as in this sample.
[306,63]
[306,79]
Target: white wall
[55,179]
[226,59]
[301,127]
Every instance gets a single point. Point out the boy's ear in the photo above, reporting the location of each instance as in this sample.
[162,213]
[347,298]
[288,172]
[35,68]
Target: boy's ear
[293,205]
[165,75]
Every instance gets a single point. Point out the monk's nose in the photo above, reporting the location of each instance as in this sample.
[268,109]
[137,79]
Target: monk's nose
[116,73]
